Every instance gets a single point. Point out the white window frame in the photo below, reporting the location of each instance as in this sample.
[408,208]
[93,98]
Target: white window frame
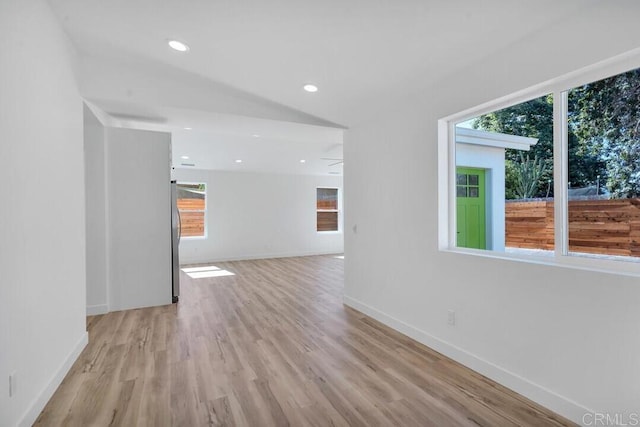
[447,167]
[206,209]
[338,211]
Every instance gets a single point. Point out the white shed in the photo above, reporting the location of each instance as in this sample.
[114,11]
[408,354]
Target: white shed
[481,153]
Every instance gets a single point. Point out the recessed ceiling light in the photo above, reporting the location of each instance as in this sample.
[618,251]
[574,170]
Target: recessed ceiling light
[310,88]
[184,157]
[334,173]
[179,46]
[303,161]
[255,135]
[188,128]
[238,161]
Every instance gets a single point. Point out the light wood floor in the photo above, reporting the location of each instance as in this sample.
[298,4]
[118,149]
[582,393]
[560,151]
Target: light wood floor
[272,346]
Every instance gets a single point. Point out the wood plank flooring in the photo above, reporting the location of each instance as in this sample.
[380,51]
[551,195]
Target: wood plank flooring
[272,345]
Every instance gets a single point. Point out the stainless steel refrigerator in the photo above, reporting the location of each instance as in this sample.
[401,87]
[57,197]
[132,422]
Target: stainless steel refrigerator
[175,243]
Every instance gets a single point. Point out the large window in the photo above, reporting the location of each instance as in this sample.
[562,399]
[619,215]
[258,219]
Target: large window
[192,205]
[327,209]
[604,166]
[555,174]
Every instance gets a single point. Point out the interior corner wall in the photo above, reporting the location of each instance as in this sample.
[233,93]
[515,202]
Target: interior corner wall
[96,213]
[259,215]
[42,249]
[565,338]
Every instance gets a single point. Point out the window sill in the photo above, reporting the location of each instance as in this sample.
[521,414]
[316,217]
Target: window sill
[193,238]
[586,262]
[330,232]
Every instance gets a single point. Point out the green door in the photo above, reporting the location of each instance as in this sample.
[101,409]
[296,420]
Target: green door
[470,198]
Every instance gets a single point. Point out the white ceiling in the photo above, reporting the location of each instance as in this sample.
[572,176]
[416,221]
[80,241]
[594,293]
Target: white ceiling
[220,152]
[215,141]
[362,54]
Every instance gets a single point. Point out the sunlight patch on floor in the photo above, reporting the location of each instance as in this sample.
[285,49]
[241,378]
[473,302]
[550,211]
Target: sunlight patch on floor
[207,271]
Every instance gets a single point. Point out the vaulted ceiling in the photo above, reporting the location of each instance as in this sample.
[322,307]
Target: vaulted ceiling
[250,58]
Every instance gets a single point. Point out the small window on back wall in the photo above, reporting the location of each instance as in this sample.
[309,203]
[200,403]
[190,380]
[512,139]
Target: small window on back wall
[192,206]
[327,209]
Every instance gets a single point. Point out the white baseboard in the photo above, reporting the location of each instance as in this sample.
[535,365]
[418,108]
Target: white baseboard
[547,398]
[93,310]
[40,402]
[201,260]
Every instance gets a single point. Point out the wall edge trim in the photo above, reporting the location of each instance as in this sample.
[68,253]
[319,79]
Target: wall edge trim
[42,399]
[195,260]
[547,398]
[93,310]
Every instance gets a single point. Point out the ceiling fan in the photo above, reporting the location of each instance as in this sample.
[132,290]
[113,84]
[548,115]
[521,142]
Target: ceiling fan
[337,161]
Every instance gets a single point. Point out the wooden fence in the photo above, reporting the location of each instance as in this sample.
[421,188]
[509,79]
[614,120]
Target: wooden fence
[610,227]
[529,225]
[327,221]
[191,217]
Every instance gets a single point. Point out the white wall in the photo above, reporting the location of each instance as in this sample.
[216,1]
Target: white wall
[138,218]
[96,213]
[491,159]
[566,338]
[257,215]
[42,244]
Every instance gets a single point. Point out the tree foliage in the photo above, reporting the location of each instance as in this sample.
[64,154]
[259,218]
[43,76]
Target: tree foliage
[528,176]
[606,121]
[532,119]
[603,136]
